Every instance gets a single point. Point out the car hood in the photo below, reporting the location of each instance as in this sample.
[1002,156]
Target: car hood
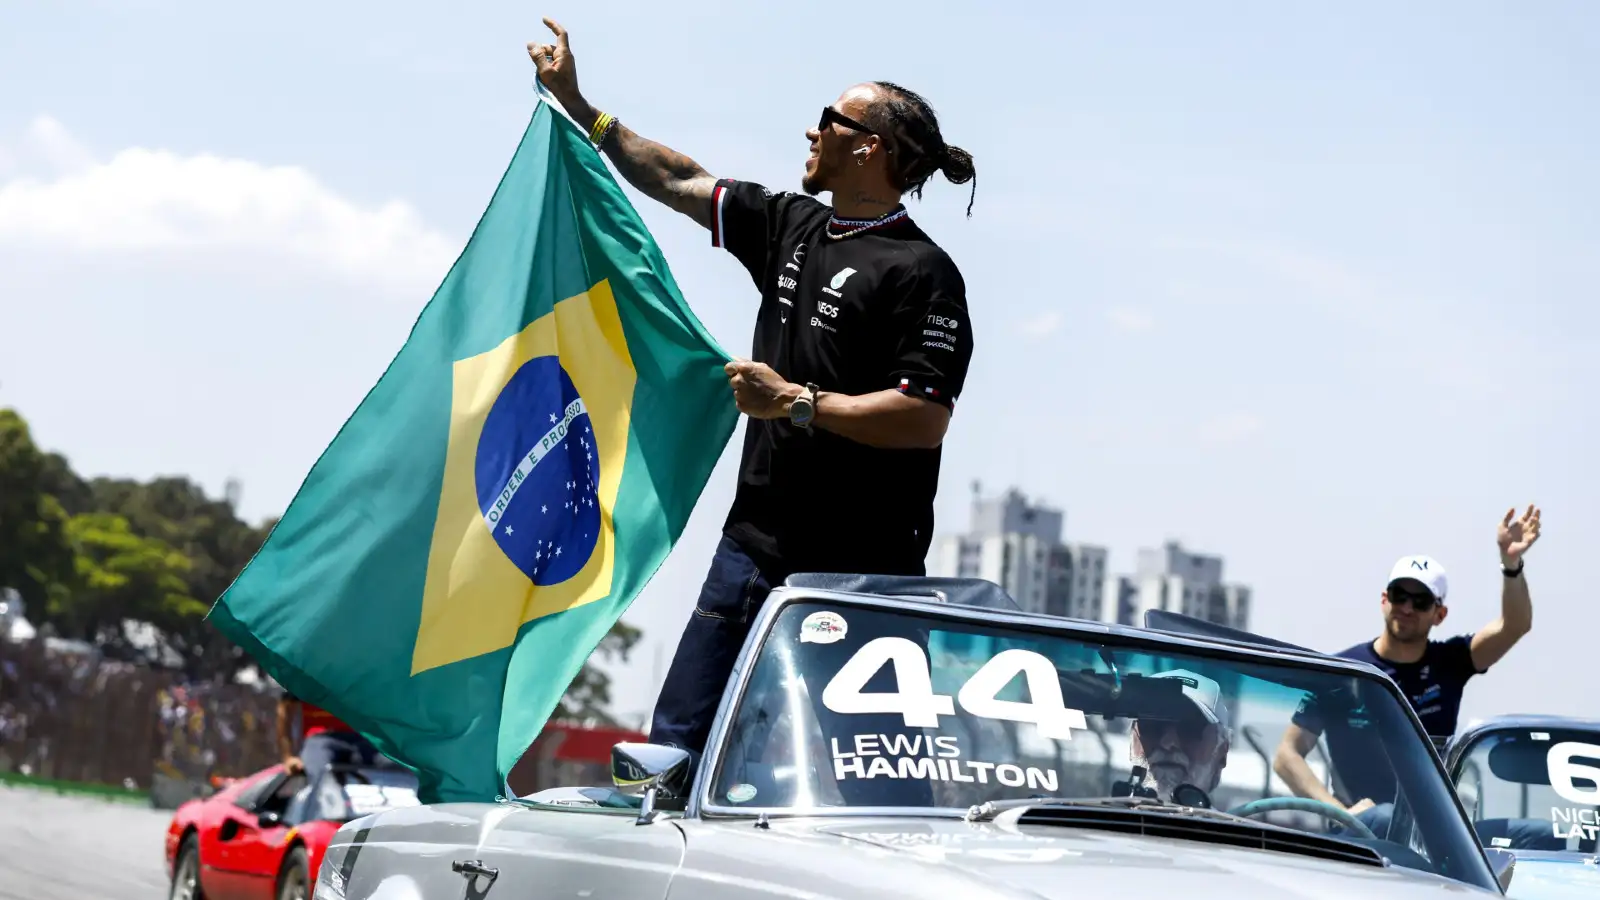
[1555,876]
[899,857]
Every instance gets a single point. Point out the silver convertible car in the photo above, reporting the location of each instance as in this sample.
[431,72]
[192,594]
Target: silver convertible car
[1532,784]
[917,737]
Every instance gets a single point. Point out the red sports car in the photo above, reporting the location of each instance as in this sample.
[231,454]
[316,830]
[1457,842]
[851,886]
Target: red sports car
[263,836]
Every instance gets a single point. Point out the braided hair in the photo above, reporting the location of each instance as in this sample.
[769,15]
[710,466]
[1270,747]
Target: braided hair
[914,130]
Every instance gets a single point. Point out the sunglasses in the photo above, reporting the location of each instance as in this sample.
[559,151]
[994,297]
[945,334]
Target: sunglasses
[1190,728]
[831,116]
[1420,600]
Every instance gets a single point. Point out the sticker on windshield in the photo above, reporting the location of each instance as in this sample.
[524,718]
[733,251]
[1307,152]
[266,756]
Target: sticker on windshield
[742,793]
[1576,782]
[822,628]
[920,707]
[923,758]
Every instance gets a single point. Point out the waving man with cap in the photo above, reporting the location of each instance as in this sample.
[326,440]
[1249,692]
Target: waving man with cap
[1432,674]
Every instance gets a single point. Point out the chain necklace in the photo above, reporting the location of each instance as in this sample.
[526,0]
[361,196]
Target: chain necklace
[856,226]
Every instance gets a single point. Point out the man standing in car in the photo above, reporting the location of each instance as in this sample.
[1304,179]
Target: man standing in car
[1431,674]
[324,738]
[861,348]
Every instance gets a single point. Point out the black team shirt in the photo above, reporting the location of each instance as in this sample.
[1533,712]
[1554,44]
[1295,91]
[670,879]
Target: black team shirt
[877,310]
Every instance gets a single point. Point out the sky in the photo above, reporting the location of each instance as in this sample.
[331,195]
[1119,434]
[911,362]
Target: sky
[1308,288]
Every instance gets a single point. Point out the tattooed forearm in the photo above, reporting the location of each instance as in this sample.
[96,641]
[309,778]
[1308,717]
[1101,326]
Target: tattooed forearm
[658,172]
[662,174]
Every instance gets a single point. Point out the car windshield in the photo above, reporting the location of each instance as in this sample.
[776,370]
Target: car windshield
[874,706]
[346,793]
[1534,788]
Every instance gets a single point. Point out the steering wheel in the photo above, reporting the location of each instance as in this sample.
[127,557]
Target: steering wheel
[1302,804]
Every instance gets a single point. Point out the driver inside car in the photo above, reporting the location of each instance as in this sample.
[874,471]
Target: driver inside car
[1180,758]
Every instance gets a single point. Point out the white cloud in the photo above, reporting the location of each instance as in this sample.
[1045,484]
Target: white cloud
[1130,319]
[1232,428]
[144,200]
[1042,325]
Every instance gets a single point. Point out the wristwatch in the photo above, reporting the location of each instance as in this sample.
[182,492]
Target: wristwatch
[803,408]
[1512,573]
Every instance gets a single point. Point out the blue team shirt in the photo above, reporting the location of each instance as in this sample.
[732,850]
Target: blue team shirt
[1433,685]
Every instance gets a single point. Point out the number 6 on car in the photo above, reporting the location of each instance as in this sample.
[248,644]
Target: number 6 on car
[1564,773]
[920,707]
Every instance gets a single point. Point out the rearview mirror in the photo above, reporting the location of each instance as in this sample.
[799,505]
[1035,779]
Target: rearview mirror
[1503,862]
[657,771]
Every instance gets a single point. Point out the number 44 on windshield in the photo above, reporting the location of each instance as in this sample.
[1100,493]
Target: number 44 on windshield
[916,702]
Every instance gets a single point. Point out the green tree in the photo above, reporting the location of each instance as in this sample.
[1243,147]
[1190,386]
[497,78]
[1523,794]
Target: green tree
[211,535]
[35,556]
[122,576]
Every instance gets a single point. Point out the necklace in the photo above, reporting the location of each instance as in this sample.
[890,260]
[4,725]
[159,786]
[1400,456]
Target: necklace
[856,226]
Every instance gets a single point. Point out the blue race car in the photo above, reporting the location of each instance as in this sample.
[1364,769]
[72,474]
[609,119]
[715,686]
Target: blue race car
[1532,784]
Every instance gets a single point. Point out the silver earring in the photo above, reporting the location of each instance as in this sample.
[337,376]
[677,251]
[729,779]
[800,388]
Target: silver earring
[861,162]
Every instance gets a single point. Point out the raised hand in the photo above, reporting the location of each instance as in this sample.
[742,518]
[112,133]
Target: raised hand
[558,72]
[1518,534]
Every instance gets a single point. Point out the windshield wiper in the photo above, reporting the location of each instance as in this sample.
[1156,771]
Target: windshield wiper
[985,812]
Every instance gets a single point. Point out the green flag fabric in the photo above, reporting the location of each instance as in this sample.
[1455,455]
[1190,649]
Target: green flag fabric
[502,494]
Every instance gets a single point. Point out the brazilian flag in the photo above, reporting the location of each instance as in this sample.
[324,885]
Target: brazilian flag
[504,491]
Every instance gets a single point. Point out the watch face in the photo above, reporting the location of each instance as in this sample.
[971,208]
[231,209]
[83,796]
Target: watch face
[800,412]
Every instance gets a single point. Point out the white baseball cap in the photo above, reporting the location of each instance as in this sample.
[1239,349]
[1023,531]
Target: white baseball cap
[1422,569]
[1203,692]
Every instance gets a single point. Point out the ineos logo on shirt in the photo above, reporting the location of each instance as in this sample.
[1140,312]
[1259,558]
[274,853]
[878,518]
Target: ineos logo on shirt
[828,309]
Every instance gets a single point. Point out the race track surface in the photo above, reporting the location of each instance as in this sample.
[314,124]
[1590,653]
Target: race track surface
[55,847]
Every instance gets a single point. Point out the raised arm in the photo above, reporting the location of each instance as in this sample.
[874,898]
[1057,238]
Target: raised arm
[286,710]
[658,172]
[1492,642]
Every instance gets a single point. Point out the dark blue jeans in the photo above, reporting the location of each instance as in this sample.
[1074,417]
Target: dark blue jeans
[731,596]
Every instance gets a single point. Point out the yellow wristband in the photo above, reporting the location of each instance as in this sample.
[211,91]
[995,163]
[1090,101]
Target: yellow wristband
[599,127]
